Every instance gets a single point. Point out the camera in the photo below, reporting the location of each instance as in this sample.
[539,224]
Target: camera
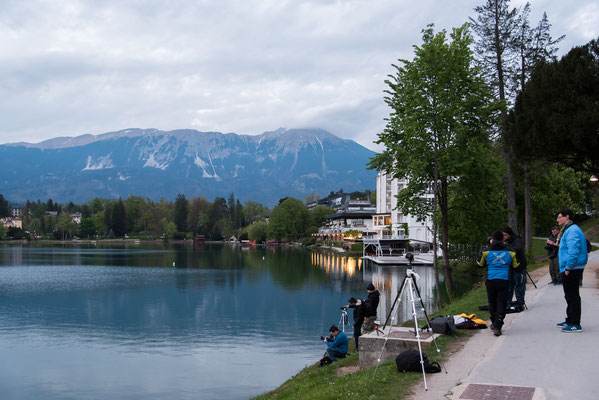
[344,307]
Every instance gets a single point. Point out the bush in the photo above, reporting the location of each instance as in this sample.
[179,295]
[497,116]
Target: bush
[308,241]
[179,235]
[357,247]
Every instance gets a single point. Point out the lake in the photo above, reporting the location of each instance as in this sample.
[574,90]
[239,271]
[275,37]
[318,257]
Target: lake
[99,322]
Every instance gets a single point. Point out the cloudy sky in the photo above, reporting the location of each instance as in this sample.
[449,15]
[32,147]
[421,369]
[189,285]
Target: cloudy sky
[70,67]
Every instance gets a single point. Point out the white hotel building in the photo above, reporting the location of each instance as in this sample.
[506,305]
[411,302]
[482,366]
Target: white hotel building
[387,214]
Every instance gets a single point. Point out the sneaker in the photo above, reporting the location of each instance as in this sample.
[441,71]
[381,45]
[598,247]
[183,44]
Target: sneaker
[497,331]
[557,284]
[562,324]
[572,328]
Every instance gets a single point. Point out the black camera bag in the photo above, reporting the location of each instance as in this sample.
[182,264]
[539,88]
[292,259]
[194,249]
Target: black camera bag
[409,361]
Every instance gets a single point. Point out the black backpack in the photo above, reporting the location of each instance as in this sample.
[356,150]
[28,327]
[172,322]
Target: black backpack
[409,361]
[442,324]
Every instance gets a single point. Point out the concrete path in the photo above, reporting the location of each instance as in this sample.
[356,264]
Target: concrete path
[533,359]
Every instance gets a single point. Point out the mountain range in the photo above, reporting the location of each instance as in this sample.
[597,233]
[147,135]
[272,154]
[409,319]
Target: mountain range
[161,164]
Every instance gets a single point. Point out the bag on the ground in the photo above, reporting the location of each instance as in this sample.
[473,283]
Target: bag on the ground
[464,321]
[442,324]
[409,361]
[514,307]
[325,360]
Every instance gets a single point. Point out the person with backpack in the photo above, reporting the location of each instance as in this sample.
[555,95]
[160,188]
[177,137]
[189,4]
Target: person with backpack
[552,247]
[517,281]
[359,307]
[499,260]
[573,257]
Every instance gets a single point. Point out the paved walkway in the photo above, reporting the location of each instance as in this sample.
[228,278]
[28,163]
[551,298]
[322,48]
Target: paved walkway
[532,359]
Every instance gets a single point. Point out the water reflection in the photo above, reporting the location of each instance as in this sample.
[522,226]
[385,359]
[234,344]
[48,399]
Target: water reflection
[121,322]
[387,279]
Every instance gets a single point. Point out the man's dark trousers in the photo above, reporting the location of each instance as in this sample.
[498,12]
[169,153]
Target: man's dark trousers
[572,295]
[357,333]
[497,297]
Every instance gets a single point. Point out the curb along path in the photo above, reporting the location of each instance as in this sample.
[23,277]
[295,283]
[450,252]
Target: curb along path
[533,359]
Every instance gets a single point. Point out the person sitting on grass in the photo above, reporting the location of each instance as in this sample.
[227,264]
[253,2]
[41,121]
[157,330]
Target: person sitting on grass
[336,346]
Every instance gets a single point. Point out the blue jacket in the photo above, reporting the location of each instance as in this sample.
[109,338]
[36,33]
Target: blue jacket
[339,345]
[572,252]
[498,261]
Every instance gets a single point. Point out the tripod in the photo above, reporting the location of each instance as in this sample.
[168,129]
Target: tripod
[343,320]
[414,296]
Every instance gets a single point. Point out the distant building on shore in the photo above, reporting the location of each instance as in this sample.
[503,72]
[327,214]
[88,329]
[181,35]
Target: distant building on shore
[391,223]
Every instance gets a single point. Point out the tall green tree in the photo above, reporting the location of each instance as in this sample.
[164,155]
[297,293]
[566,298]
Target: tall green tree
[438,129]
[181,213]
[533,45]
[558,109]
[289,220]
[4,207]
[119,219]
[497,27]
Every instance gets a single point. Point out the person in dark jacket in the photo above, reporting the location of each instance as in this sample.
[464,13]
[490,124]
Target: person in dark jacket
[358,307]
[370,306]
[517,283]
[552,247]
[499,261]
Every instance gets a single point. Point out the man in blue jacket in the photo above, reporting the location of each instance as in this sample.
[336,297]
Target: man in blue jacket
[336,344]
[572,255]
[499,260]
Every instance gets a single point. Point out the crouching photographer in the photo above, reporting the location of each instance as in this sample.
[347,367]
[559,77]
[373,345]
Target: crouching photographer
[336,346]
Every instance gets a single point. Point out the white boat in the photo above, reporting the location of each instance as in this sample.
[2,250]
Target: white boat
[397,251]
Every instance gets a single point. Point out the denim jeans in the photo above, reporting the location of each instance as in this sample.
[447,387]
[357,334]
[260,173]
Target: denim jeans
[518,285]
[334,355]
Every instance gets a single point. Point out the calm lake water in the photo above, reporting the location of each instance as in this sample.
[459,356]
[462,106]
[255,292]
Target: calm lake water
[99,322]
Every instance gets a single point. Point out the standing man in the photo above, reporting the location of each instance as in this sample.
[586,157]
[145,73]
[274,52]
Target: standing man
[573,257]
[552,247]
[498,260]
[358,307]
[370,306]
[517,283]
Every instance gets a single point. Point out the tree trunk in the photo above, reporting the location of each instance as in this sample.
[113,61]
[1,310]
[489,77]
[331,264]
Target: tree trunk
[435,251]
[527,209]
[445,240]
[512,217]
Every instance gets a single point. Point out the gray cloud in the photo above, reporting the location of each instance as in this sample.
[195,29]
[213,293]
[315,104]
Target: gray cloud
[72,67]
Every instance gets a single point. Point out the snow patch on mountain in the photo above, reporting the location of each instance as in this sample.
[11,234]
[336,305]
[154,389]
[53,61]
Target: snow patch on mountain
[151,162]
[99,163]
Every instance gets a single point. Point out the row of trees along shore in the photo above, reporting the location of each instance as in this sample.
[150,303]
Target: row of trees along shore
[501,131]
[141,217]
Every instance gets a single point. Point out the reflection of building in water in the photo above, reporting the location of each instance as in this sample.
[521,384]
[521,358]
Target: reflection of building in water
[337,265]
[388,281]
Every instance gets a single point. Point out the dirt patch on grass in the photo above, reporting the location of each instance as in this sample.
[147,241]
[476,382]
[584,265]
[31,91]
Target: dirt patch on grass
[347,370]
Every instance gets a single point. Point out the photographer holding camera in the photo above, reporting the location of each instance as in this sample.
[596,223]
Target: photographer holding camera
[336,346]
[359,311]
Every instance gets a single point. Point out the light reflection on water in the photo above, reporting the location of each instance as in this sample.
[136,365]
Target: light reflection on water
[87,322]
